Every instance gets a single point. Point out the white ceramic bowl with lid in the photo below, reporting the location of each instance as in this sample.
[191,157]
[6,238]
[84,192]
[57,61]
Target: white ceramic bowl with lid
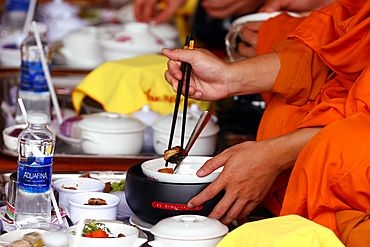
[111,133]
[204,145]
[188,230]
[134,40]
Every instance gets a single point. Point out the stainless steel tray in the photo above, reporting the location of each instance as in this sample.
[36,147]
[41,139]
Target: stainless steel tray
[8,88]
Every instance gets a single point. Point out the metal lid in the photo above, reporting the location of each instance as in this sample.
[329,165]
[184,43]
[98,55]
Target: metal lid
[163,124]
[189,227]
[111,122]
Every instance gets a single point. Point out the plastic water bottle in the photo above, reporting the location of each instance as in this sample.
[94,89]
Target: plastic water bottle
[36,146]
[33,88]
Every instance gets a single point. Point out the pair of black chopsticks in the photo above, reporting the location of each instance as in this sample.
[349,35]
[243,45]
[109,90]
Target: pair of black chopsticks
[185,67]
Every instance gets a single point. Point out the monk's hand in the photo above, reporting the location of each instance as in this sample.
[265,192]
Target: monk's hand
[249,36]
[248,174]
[145,10]
[224,8]
[209,75]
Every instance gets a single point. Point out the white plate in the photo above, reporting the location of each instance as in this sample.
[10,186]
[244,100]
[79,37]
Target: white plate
[186,173]
[260,17]
[17,235]
[134,220]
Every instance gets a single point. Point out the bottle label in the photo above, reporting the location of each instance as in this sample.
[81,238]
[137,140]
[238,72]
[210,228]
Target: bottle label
[17,5]
[34,175]
[33,77]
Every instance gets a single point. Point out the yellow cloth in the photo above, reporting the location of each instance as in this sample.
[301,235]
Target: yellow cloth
[283,231]
[124,86]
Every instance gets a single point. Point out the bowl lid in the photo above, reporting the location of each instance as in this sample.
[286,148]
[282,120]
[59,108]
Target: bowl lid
[189,227]
[111,122]
[163,124]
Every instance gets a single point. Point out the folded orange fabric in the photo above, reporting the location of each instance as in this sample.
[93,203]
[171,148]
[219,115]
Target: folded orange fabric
[354,227]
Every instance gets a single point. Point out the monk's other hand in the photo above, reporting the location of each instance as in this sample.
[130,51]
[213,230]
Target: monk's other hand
[249,36]
[221,9]
[294,5]
[159,10]
[248,175]
[209,74]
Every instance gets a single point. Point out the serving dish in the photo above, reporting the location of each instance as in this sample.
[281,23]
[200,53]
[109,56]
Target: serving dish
[79,210]
[10,140]
[152,200]
[186,173]
[134,40]
[9,237]
[111,133]
[188,230]
[131,238]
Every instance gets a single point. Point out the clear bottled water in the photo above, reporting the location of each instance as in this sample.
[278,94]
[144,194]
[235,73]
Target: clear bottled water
[33,88]
[36,146]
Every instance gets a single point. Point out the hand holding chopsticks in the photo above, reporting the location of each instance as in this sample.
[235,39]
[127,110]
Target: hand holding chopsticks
[185,67]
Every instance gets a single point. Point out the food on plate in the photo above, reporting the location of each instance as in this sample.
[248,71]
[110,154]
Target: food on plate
[107,187]
[110,187]
[69,188]
[86,175]
[21,243]
[32,239]
[115,186]
[15,132]
[166,170]
[175,154]
[94,229]
[96,201]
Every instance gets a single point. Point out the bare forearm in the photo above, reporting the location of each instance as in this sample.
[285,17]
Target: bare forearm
[254,75]
[285,149]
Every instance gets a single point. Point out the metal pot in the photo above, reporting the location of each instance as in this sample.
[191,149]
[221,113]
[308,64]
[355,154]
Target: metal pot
[188,230]
[152,201]
[205,144]
[111,133]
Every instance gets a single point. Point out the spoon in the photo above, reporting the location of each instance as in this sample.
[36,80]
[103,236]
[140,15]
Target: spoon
[202,122]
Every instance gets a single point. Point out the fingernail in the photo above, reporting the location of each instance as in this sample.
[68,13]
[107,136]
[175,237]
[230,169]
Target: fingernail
[190,205]
[200,172]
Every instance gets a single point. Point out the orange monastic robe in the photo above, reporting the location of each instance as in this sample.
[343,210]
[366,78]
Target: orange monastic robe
[324,81]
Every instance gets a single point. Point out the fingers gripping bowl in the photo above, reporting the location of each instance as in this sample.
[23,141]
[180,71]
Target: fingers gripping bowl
[152,200]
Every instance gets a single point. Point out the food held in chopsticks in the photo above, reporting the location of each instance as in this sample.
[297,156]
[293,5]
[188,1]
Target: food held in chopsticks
[174,154]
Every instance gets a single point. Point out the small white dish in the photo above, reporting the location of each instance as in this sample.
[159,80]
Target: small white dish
[79,210]
[17,235]
[186,173]
[11,139]
[81,184]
